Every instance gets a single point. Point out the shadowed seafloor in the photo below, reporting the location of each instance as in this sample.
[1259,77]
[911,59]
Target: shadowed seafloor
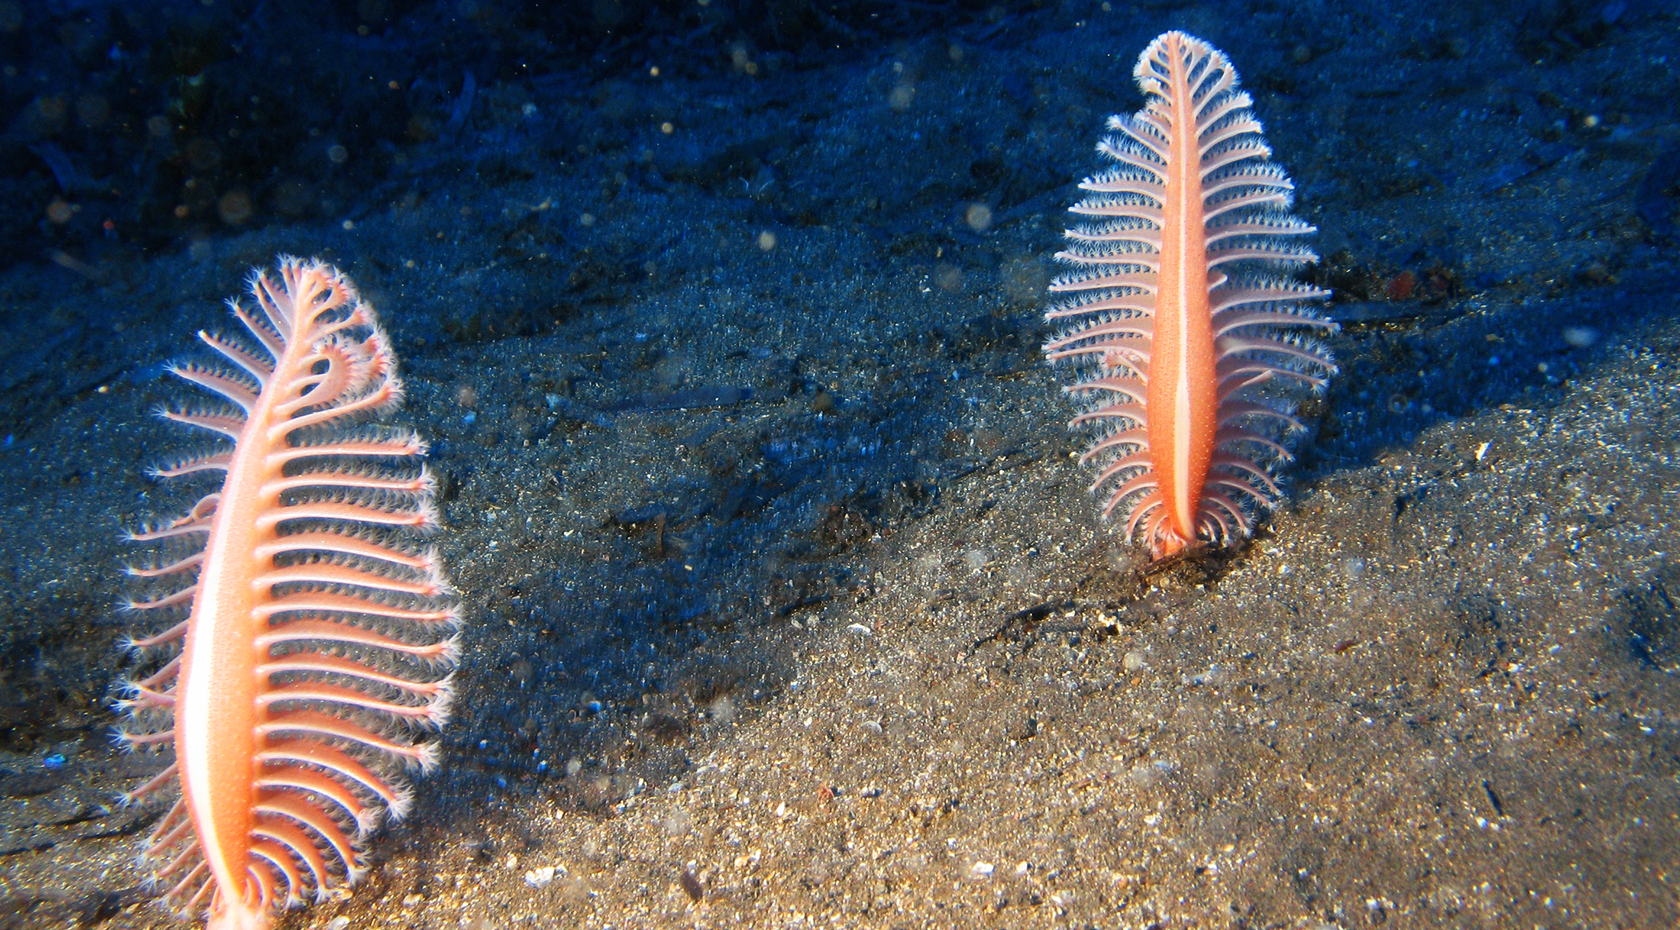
[788,605]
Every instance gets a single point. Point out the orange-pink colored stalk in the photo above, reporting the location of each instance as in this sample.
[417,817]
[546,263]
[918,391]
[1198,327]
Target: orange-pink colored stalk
[302,665]
[1179,321]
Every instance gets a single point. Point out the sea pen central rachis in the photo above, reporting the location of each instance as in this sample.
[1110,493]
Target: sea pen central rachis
[306,638]
[1178,321]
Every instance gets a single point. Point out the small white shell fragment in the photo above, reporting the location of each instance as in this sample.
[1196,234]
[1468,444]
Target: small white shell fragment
[538,878]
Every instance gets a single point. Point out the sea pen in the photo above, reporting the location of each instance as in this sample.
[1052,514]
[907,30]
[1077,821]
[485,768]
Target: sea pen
[1178,321]
[305,639]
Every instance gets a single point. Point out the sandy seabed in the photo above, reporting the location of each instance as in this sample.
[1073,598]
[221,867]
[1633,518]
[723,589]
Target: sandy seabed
[787,602]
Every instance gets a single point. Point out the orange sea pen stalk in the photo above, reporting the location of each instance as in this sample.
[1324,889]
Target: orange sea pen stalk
[318,638]
[1178,310]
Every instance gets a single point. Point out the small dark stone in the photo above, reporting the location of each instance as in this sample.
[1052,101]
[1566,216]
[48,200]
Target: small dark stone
[663,728]
[691,886]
